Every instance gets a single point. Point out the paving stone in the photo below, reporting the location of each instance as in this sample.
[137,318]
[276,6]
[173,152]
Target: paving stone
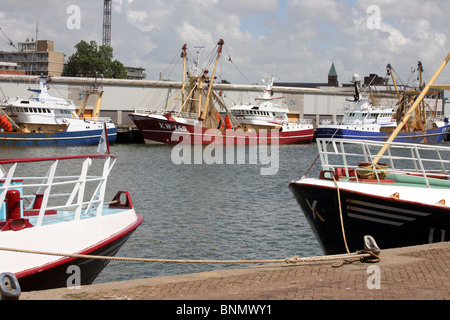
[412,273]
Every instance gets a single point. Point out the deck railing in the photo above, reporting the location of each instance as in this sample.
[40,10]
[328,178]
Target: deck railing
[186,115]
[60,185]
[354,157]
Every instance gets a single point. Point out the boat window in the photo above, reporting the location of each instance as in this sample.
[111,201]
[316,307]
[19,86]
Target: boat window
[25,102]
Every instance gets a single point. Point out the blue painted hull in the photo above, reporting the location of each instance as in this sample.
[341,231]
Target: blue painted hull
[435,135]
[79,138]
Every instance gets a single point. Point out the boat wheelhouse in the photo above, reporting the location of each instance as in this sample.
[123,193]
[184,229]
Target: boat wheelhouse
[203,118]
[397,193]
[44,120]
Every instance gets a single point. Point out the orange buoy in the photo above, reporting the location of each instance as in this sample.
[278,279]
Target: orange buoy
[5,124]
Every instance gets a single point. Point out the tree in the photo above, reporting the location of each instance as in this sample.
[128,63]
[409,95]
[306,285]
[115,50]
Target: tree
[91,60]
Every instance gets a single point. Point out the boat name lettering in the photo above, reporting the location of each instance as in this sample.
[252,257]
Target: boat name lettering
[170,126]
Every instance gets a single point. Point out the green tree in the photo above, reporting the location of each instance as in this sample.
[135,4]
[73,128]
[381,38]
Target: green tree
[91,59]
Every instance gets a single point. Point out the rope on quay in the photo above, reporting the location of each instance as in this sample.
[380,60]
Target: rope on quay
[365,256]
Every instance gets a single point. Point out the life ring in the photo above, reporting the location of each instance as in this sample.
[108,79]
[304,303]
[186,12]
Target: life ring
[64,121]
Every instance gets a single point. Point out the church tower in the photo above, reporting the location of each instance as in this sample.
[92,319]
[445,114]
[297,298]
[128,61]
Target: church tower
[333,77]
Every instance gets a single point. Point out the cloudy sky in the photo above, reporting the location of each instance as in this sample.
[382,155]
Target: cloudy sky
[296,40]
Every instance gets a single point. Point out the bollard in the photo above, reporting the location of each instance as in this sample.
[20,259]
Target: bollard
[371,245]
[13,205]
[9,287]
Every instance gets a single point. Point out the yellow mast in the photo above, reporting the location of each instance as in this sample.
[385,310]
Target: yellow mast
[420,68]
[208,96]
[87,93]
[183,87]
[389,71]
[199,84]
[411,110]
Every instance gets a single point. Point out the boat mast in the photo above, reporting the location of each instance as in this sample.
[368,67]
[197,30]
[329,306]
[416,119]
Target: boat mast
[183,87]
[420,69]
[208,96]
[412,109]
[389,73]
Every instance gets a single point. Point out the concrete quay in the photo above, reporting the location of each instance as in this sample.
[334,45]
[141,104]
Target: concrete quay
[412,273]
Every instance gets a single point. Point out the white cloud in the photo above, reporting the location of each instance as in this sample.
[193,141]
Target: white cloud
[396,38]
[304,38]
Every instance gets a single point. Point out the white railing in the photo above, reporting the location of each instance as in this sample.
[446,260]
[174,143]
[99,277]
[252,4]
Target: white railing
[186,115]
[302,121]
[427,161]
[72,190]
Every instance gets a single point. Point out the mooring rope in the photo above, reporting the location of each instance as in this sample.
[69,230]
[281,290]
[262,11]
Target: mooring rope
[366,256]
[340,213]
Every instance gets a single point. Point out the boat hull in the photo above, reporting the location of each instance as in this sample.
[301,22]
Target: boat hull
[41,272]
[172,132]
[391,222]
[77,138]
[57,275]
[435,135]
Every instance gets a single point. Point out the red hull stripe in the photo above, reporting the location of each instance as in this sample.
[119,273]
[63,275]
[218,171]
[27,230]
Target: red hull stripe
[86,251]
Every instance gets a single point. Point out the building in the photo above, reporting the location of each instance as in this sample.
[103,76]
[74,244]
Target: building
[10,68]
[375,80]
[332,81]
[136,73]
[333,77]
[36,58]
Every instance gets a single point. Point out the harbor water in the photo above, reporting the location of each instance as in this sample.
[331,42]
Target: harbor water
[202,211]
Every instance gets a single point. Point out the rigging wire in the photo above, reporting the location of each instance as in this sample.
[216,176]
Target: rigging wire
[231,61]
[9,42]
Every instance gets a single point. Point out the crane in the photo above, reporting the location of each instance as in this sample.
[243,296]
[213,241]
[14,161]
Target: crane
[107,22]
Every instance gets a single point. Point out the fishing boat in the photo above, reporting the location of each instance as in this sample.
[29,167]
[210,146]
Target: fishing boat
[44,120]
[397,193]
[52,208]
[362,120]
[203,118]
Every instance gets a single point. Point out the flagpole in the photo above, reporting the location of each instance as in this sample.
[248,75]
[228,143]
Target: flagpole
[107,138]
